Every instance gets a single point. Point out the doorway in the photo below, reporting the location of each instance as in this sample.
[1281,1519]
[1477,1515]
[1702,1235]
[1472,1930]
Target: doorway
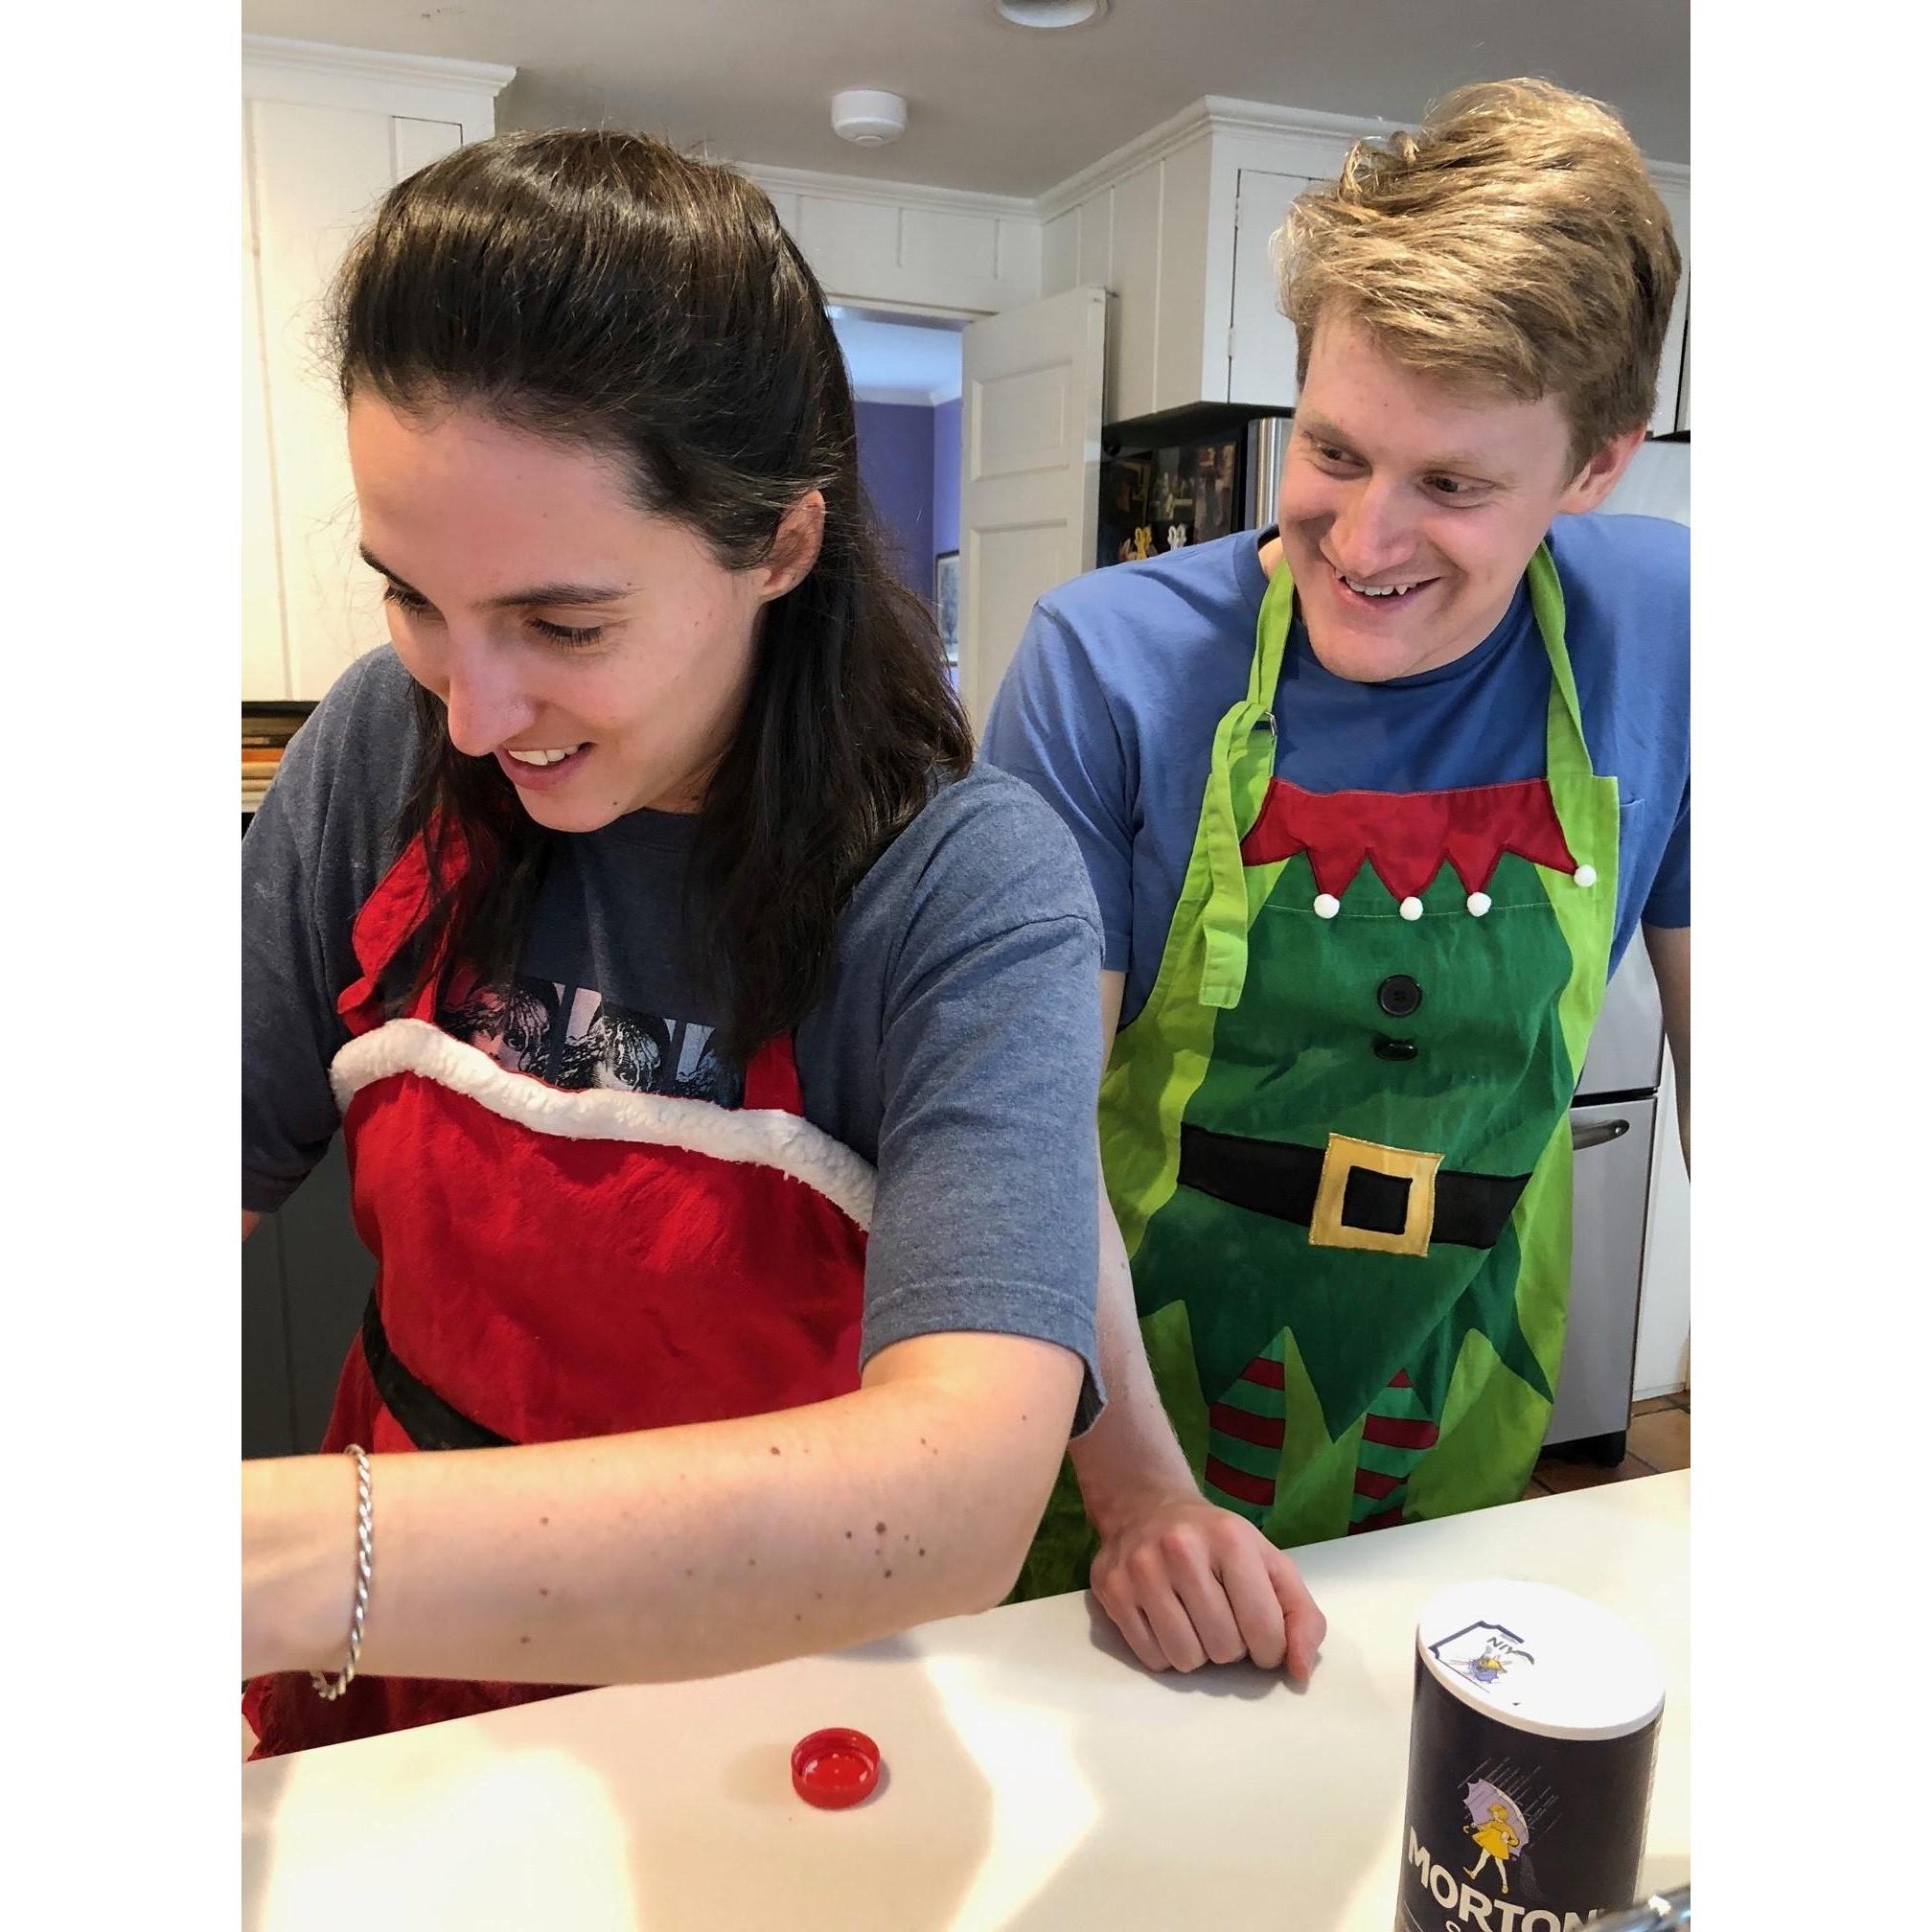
[906,388]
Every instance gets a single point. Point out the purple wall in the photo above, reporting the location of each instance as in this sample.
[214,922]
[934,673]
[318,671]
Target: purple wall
[895,465]
[946,477]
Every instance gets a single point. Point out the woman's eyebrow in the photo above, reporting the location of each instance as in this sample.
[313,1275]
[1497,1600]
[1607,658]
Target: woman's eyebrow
[563,593]
[538,594]
[381,569]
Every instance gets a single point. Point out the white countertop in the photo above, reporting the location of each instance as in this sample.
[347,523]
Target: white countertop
[1036,1777]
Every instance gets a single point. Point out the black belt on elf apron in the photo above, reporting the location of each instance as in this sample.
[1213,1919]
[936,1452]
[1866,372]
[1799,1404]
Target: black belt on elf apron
[1345,1201]
[423,1416]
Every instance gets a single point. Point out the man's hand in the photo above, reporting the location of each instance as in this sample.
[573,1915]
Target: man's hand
[1188,1584]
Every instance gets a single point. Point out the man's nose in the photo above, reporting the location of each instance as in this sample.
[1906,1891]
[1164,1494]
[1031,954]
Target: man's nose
[1372,533]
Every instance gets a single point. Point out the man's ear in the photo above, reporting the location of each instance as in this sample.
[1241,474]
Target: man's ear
[1601,475]
[795,549]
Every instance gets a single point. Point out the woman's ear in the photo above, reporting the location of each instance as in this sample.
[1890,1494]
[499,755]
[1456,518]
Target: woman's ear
[795,549]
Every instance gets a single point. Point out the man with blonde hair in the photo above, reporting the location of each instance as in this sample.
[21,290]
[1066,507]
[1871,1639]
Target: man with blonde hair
[1373,804]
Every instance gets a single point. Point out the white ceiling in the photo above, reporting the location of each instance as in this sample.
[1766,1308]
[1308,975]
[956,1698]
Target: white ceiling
[999,108]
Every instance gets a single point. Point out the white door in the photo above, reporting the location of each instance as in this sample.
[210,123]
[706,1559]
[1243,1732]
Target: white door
[1029,472]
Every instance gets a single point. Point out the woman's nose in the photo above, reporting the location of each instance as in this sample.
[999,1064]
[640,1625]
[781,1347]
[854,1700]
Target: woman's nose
[487,709]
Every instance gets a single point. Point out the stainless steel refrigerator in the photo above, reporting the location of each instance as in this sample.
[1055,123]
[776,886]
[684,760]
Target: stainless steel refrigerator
[1612,1127]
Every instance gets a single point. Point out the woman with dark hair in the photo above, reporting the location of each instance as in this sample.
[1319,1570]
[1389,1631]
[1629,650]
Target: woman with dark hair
[715,1045]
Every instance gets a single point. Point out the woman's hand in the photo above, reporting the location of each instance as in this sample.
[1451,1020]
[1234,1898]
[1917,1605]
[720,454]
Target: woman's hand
[1188,1584]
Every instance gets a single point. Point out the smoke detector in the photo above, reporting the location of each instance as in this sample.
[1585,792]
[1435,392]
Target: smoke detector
[1048,14]
[869,118]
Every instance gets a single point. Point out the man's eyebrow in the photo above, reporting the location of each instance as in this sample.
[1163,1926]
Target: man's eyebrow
[537,595]
[1462,461]
[1318,427]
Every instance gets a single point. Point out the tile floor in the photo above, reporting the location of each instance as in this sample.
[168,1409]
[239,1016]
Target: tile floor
[1658,1439]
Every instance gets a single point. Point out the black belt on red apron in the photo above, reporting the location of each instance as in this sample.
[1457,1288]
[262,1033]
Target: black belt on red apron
[425,1417]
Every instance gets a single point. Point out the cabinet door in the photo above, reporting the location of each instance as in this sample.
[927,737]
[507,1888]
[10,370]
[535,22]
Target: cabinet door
[1260,343]
[314,175]
[1670,369]
[1134,332]
[306,1278]
[327,1277]
[417,143]
[265,642]
[268,1397]
[1684,381]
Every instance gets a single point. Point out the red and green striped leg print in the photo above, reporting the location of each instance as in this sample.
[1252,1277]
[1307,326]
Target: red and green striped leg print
[1245,1433]
[1396,1433]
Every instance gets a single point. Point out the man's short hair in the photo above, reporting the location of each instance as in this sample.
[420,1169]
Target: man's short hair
[1513,244]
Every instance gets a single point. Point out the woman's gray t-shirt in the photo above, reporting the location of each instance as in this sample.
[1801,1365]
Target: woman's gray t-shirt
[956,1047]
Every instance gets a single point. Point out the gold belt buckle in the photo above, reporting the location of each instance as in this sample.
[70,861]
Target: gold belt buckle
[1327,1228]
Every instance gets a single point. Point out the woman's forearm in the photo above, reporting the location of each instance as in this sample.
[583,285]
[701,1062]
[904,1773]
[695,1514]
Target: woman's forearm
[673,1552]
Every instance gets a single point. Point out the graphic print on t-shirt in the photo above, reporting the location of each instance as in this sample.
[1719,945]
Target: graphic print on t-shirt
[572,1037]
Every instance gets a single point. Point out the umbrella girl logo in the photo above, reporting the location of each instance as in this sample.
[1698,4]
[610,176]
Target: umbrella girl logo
[1485,1653]
[1506,1804]
[1497,1824]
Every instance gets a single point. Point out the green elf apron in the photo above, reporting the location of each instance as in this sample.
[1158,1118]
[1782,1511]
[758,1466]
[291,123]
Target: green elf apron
[1337,1137]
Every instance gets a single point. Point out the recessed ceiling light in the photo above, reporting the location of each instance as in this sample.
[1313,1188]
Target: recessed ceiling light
[1049,12]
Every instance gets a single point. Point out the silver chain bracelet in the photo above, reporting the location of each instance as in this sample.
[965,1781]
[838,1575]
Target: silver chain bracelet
[365,1563]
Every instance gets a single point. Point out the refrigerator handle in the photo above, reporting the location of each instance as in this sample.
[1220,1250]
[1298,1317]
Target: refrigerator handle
[1597,1133]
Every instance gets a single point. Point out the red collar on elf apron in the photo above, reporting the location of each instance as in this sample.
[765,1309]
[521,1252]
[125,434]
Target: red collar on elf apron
[1406,838]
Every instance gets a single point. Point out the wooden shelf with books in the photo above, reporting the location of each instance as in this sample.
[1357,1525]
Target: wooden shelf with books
[266,732]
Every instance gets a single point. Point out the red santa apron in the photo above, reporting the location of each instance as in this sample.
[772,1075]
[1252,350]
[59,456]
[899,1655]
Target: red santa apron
[554,1264]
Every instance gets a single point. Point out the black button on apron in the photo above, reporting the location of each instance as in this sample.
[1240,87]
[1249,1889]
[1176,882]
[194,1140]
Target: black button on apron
[1398,996]
[1396,1049]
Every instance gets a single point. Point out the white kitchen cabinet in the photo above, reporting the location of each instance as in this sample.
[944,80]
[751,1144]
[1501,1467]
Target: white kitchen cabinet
[891,245]
[1673,380]
[1144,299]
[1261,345]
[1684,384]
[1178,227]
[326,133]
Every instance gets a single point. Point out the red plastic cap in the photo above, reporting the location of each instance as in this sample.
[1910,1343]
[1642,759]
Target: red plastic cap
[833,1769]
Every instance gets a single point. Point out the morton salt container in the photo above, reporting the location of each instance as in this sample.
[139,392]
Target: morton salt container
[1531,1752]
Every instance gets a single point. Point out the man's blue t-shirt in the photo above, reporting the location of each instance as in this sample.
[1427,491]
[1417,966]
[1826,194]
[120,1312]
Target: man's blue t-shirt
[1110,708]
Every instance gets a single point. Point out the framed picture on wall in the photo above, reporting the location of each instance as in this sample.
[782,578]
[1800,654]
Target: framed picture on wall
[946,604]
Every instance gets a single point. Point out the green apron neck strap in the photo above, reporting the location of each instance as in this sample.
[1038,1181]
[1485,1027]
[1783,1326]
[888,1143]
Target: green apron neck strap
[1237,780]
[1569,754]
